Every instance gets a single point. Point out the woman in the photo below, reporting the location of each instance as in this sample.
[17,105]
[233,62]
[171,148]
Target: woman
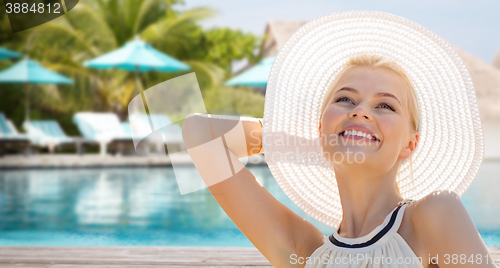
[365,131]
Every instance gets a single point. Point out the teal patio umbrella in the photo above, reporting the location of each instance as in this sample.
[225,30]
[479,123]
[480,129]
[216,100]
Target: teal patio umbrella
[28,72]
[137,56]
[254,77]
[8,54]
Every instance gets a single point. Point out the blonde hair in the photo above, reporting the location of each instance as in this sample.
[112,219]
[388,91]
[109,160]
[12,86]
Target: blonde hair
[376,61]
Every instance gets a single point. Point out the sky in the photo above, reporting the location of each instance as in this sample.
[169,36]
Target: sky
[473,26]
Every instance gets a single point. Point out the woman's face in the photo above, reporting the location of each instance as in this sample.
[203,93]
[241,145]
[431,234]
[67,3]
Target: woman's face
[370,100]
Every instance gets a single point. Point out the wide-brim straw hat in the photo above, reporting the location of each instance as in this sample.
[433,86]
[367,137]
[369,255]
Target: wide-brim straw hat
[450,149]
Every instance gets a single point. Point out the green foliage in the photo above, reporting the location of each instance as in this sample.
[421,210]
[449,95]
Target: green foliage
[243,101]
[95,27]
[223,45]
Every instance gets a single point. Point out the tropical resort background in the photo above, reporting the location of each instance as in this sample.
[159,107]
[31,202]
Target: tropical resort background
[70,174]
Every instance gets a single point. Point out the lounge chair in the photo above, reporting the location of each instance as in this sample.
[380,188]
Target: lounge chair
[141,128]
[141,150]
[10,137]
[103,128]
[48,133]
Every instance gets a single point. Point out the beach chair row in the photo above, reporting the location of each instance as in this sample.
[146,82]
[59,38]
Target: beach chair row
[104,129]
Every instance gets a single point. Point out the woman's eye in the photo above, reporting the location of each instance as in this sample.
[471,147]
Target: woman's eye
[383,105]
[343,98]
[387,105]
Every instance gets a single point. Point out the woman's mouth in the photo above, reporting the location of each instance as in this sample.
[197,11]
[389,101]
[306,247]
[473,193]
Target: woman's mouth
[358,135]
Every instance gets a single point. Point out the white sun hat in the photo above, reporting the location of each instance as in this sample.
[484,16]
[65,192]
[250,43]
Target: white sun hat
[450,149]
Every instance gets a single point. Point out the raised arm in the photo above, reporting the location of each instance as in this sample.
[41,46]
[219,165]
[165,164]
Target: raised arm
[272,227]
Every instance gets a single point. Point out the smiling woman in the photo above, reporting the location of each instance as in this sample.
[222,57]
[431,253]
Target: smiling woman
[364,110]
[376,82]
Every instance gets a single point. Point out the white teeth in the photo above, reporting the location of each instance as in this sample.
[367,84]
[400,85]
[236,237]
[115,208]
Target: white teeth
[359,134]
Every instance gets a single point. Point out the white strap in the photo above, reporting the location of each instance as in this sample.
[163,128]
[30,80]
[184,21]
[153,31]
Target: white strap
[399,218]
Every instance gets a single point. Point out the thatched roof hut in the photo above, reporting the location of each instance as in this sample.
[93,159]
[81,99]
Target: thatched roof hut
[277,33]
[496,60]
[486,78]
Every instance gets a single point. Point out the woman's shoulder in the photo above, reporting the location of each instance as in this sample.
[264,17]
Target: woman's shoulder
[443,227]
[434,213]
[419,221]
[435,205]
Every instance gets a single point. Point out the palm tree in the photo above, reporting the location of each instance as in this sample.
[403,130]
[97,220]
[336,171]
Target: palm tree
[95,27]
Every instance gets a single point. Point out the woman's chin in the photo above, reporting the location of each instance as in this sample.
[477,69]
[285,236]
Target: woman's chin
[350,155]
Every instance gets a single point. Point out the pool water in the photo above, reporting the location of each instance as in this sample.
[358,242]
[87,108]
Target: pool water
[143,207]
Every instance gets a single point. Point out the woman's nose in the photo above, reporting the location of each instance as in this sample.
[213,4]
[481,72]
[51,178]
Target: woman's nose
[361,112]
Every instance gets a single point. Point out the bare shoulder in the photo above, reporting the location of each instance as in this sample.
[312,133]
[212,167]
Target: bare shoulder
[433,212]
[418,214]
[436,203]
[443,227]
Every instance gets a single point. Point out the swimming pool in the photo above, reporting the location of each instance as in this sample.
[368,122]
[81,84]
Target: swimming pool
[143,207]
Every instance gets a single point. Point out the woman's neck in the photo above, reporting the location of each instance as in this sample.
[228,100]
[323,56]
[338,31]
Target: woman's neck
[367,197]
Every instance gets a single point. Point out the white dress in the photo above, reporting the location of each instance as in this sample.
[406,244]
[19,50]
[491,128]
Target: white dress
[381,248]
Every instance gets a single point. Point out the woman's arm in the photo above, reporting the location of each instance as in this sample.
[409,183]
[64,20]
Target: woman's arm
[267,223]
[447,231]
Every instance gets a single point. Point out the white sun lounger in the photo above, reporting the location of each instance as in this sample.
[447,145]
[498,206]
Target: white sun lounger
[103,128]
[10,137]
[48,133]
[140,128]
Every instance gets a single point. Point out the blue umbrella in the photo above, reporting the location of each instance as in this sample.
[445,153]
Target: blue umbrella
[8,54]
[27,72]
[137,56]
[256,76]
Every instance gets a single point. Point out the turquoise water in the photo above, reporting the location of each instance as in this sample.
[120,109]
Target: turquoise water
[143,207]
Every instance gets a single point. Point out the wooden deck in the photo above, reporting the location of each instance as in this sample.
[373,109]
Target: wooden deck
[107,257]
